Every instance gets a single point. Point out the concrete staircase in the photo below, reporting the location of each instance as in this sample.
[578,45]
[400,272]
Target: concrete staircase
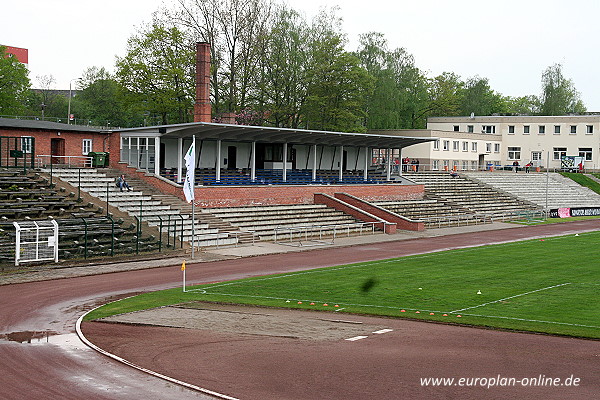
[306,219]
[475,197]
[435,214]
[562,191]
[144,202]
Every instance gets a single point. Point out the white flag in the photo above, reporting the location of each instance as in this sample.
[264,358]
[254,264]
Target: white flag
[190,161]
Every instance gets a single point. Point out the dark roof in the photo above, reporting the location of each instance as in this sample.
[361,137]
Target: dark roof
[45,125]
[244,133]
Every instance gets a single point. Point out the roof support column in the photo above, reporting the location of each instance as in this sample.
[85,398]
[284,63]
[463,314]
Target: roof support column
[138,161]
[179,159]
[148,154]
[366,171]
[341,163]
[400,161]
[314,168]
[157,156]
[285,162]
[253,162]
[389,164]
[129,151]
[218,161]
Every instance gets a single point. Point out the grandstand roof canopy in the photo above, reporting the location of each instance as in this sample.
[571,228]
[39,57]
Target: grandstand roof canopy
[244,133]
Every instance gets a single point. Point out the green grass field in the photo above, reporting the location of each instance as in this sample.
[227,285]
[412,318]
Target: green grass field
[550,286]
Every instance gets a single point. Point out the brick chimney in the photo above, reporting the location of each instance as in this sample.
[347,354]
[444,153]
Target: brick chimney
[202,108]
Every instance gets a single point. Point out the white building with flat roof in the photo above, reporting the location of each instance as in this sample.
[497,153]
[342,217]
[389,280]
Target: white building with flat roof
[466,142]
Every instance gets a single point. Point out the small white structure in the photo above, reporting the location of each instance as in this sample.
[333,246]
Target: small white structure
[36,241]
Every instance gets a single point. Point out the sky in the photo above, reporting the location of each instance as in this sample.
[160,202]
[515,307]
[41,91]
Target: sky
[510,42]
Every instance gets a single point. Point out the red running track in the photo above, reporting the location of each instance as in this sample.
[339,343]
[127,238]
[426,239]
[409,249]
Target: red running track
[387,366]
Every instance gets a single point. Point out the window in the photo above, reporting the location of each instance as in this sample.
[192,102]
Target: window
[26,144]
[465,146]
[589,129]
[488,147]
[446,144]
[446,163]
[436,144]
[436,165]
[525,129]
[456,128]
[470,128]
[514,153]
[542,129]
[496,147]
[87,146]
[465,165]
[586,153]
[573,129]
[557,129]
[455,145]
[559,152]
[536,155]
[488,129]
[474,146]
[474,165]
[511,129]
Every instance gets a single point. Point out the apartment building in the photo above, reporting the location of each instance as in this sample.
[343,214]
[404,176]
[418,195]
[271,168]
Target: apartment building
[502,140]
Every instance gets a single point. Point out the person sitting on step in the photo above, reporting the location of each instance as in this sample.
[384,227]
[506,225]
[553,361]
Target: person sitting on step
[121,183]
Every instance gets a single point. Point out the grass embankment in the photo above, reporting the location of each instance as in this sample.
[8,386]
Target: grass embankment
[550,286]
[583,180]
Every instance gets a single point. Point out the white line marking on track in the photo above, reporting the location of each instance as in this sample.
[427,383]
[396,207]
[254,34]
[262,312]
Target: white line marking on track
[532,320]
[379,332]
[355,338]
[511,297]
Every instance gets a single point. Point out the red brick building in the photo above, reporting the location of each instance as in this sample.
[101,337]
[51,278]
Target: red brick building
[68,144]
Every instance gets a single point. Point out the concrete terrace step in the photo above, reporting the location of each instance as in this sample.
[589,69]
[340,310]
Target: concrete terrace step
[96,182]
[552,189]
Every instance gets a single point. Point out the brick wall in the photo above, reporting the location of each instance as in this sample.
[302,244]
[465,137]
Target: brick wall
[73,140]
[232,196]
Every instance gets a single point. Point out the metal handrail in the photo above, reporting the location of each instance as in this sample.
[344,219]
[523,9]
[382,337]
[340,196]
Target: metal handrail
[328,227]
[71,161]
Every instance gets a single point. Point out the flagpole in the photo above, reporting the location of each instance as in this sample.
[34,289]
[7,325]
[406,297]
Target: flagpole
[194,197]
[183,269]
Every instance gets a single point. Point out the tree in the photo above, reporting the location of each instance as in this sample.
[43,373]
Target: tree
[14,84]
[101,100]
[158,71]
[383,107]
[479,98]
[236,30]
[399,98]
[445,95]
[559,95]
[523,105]
[337,86]
[281,91]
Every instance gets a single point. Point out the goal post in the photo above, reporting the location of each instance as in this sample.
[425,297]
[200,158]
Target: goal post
[36,241]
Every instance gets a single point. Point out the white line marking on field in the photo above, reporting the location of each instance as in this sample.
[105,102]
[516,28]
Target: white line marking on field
[339,309]
[511,297]
[355,338]
[379,332]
